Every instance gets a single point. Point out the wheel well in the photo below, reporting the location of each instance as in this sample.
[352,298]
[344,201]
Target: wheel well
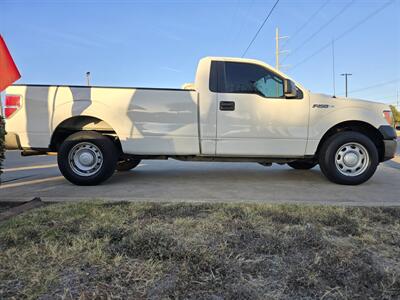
[82,123]
[358,126]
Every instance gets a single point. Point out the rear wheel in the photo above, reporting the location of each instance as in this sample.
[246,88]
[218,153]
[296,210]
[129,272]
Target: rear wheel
[87,158]
[349,158]
[127,164]
[302,164]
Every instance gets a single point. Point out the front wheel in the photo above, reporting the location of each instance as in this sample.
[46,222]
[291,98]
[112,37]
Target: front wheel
[87,158]
[349,158]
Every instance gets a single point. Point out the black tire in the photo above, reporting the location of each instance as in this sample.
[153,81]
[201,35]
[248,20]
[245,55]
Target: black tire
[328,152]
[302,164]
[127,164]
[104,156]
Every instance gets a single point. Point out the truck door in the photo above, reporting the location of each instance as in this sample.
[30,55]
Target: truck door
[253,116]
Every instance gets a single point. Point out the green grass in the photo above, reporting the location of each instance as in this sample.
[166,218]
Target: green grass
[200,251]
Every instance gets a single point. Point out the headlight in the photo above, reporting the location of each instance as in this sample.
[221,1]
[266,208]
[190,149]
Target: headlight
[388,116]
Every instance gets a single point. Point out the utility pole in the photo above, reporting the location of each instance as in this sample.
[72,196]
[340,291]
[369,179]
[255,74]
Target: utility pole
[277,51]
[88,78]
[346,75]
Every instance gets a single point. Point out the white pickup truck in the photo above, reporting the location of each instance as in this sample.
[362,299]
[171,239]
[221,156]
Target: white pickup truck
[238,110]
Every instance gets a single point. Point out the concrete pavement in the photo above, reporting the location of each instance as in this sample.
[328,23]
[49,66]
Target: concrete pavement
[38,176]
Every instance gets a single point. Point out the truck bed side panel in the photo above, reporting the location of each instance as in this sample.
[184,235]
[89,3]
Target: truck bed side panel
[160,122]
[147,121]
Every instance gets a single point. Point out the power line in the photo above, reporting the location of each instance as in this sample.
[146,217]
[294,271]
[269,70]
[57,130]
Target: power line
[388,97]
[391,97]
[355,26]
[233,19]
[378,98]
[239,32]
[374,86]
[307,22]
[259,29]
[323,27]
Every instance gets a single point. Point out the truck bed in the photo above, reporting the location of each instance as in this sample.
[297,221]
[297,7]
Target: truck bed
[146,120]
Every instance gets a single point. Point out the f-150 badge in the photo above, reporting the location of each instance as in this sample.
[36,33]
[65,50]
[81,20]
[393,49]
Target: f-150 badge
[323,106]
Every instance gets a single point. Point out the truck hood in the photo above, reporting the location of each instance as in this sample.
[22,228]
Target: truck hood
[340,102]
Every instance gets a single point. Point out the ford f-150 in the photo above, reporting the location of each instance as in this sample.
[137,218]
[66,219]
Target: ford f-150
[236,110]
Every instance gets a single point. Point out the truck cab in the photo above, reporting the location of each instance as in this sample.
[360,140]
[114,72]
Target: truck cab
[247,108]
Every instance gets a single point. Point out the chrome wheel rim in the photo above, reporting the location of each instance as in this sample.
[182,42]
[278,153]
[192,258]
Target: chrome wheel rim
[352,159]
[85,159]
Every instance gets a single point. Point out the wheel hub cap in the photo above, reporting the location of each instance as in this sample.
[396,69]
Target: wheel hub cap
[352,159]
[85,159]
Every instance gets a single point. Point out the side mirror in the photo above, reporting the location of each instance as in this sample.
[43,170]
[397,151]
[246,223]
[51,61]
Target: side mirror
[290,89]
[398,127]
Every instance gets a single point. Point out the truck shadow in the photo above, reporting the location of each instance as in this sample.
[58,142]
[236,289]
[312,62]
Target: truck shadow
[216,173]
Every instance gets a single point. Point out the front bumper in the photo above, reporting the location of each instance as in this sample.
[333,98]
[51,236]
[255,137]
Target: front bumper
[12,141]
[390,148]
[389,141]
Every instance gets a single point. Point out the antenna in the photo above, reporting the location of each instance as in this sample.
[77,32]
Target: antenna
[333,68]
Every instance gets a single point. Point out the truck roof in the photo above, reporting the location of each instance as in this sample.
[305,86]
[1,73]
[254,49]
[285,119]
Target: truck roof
[253,61]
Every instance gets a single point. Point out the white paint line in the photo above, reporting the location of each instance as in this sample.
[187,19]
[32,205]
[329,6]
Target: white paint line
[30,168]
[40,167]
[29,182]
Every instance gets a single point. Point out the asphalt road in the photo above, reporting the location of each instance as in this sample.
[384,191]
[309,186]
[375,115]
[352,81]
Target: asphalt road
[38,176]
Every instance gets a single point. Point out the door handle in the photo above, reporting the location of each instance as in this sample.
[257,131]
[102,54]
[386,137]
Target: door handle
[227,105]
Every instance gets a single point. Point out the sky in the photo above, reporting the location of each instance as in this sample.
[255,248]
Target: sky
[158,43]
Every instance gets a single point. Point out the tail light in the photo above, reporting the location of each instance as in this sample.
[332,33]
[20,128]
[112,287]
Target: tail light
[388,116]
[12,104]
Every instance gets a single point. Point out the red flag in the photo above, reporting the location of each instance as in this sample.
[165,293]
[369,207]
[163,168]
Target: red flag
[8,70]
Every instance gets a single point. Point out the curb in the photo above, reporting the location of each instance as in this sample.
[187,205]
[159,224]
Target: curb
[14,211]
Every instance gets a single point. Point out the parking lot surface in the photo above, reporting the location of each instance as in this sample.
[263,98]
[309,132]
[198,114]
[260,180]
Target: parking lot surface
[157,180]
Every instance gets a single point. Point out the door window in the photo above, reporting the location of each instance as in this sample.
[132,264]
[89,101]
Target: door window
[247,78]
[270,86]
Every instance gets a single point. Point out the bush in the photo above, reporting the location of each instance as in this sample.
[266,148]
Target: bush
[2,145]
[396,114]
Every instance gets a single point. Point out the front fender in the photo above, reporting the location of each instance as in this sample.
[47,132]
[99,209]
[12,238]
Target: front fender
[321,120]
